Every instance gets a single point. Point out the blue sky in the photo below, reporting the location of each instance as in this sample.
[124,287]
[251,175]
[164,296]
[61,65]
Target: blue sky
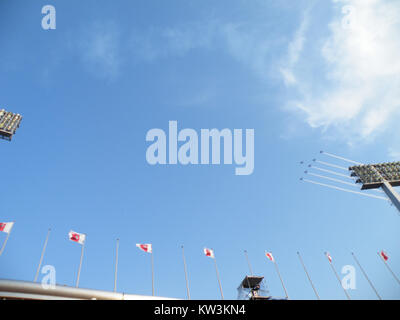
[306,76]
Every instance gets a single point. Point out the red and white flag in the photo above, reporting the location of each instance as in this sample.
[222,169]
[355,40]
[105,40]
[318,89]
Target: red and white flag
[77,237]
[269,256]
[328,256]
[209,253]
[6,226]
[145,247]
[384,255]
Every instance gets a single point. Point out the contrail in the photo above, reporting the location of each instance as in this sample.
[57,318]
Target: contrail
[331,172]
[345,190]
[330,164]
[337,180]
[341,158]
[332,179]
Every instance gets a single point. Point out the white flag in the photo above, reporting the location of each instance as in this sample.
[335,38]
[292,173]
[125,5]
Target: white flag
[77,237]
[209,253]
[328,256]
[145,247]
[269,256]
[6,226]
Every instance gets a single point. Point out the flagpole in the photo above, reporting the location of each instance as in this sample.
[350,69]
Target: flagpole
[5,242]
[366,277]
[308,276]
[279,274]
[219,281]
[80,265]
[152,272]
[390,269]
[337,277]
[41,257]
[116,267]
[186,275]
[248,262]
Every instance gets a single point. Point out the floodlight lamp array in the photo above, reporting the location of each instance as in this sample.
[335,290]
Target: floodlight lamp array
[9,123]
[373,176]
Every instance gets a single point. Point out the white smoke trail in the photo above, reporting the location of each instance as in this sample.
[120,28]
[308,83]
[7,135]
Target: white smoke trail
[331,172]
[332,179]
[330,165]
[341,158]
[345,190]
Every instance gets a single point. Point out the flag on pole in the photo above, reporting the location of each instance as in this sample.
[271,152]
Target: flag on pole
[6,226]
[77,237]
[384,255]
[269,256]
[209,253]
[145,247]
[328,256]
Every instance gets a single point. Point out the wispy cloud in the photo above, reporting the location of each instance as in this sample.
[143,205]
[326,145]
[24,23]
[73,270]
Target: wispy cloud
[346,78]
[251,45]
[294,51]
[157,43]
[99,50]
[356,89]
[245,42]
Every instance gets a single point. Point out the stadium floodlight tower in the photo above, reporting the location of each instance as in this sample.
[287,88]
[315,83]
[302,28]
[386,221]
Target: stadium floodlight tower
[381,175]
[9,123]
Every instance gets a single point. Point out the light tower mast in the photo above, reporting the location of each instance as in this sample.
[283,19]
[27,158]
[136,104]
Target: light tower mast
[381,175]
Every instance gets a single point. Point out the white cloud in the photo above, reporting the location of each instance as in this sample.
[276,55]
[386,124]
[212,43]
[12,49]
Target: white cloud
[345,71]
[360,94]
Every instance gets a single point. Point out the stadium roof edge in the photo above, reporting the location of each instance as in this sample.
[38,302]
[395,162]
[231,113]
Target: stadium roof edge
[16,289]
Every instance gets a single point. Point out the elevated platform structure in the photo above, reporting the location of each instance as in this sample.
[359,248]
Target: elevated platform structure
[252,288]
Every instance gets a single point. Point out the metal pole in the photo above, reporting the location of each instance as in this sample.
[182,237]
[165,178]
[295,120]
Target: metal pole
[5,242]
[152,272]
[248,262]
[116,267]
[186,276]
[337,277]
[389,190]
[219,281]
[308,276]
[279,274]
[366,277]
[41,257]
[392,194]
[80,265]
[390,269]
